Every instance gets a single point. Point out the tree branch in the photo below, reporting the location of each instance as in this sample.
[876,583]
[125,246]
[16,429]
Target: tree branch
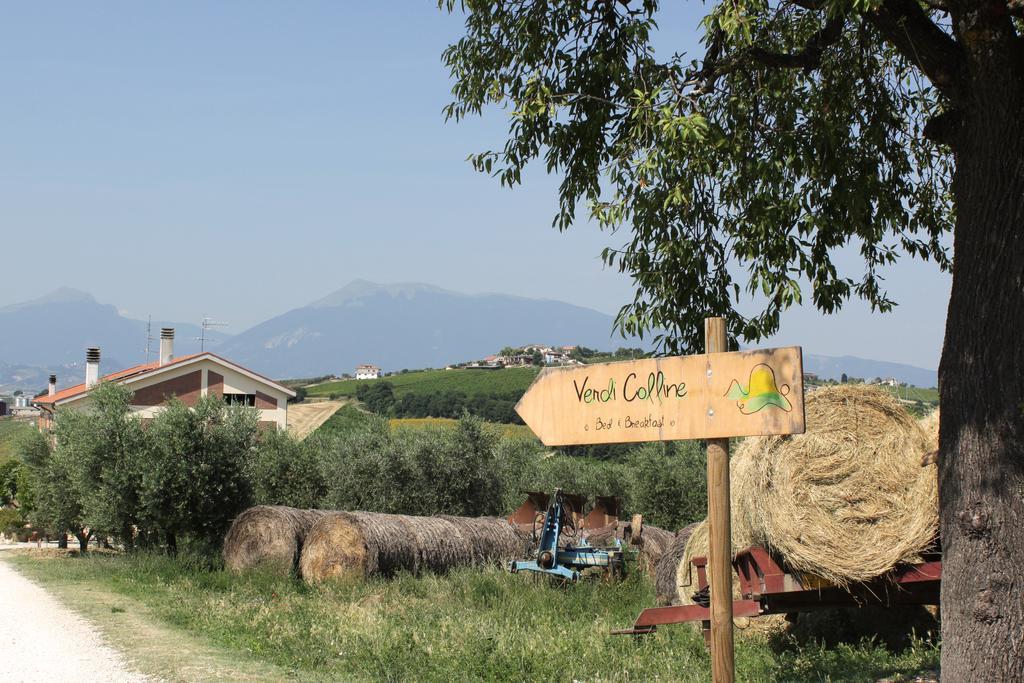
[907,28]
[810,56]
[713,67]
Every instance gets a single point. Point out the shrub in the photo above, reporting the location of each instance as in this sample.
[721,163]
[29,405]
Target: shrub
[285,471]
[669,483]
[464,470]
[417,471]
[9,470]
[370,471]
[378,396]
[11,522]
[472,470]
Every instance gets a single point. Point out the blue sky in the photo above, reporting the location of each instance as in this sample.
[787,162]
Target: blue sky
[240,159]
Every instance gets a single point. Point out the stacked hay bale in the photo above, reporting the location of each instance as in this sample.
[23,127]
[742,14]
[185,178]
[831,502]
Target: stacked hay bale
[846,501]
[268,536]
[654,543]
[358,545]
[665,584]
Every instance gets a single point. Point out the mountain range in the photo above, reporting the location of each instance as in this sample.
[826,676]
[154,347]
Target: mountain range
[51,333]
[409,326]
[394,326]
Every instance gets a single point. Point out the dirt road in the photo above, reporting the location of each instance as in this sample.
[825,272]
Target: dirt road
[304,418]
[42,640]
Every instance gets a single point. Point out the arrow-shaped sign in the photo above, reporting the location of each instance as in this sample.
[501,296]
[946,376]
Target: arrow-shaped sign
[704,396]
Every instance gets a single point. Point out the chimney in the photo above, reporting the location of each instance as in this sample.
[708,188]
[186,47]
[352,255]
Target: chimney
[166,345]
[52,389]
[92,366]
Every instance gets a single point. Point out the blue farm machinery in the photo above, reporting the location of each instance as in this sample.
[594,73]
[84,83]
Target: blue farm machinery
[569,542]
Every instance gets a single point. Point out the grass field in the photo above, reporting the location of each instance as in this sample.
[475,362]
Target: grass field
[351,416]
[347,417]
[443,422]
[10,429]
[915,394]
[469,382]
[470,625]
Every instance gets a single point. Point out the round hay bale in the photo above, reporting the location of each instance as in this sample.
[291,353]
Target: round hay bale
[930,426]
[492,539]
[848,499]
[358,545]
[268,536]
[665,574]
[740,491]
[697,546]
[687,583]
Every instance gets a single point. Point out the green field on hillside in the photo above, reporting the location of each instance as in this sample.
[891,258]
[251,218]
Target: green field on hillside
[521,431]
[467,381]
[928,396]
[352,416]
[915,394]
[10,429]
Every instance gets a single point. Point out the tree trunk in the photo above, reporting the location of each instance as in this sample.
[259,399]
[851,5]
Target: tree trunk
[62,542]
[982,390]
[83,540]
[172,543]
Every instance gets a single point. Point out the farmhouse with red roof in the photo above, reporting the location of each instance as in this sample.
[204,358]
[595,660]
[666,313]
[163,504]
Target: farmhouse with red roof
[186,378]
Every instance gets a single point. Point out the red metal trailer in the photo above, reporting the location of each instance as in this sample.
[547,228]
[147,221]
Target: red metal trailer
[766,588]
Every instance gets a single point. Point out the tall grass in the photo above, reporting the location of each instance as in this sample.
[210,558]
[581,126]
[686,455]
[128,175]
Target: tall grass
[10,431]
[468,625]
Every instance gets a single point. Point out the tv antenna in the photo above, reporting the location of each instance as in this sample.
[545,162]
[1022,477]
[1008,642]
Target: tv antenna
[208,323]
[149,337]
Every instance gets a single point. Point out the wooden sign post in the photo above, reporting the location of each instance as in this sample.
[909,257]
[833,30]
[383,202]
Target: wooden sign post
[723,666]
[712,396]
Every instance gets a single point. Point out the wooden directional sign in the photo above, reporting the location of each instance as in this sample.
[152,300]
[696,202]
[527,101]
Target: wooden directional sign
[705,396]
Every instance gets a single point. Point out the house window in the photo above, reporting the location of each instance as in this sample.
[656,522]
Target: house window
[240,399]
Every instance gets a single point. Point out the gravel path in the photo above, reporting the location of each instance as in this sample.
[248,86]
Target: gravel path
[42,640]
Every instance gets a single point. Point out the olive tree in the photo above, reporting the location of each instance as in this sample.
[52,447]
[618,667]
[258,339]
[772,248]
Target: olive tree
[98,449]
[194,476]
[804,127]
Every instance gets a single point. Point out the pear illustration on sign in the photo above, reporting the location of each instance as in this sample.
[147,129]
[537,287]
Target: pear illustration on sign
[761,391]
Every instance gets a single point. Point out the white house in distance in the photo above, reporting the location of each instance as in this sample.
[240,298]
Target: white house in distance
[367,372]
[188,378]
